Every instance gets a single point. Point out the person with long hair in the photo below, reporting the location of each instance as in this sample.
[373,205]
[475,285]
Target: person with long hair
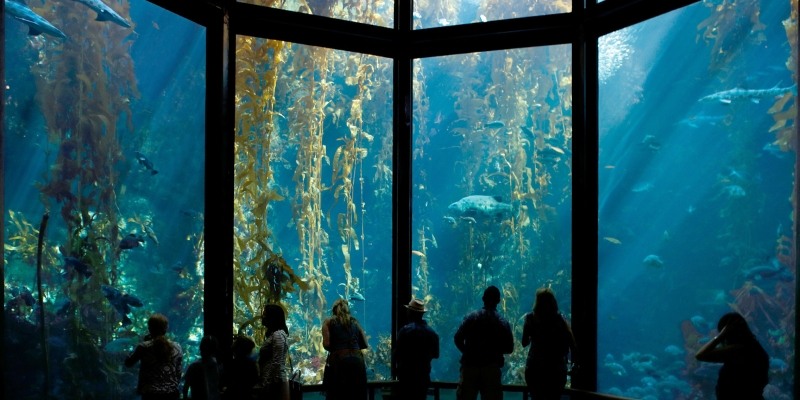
[745,363]
[273,353]
[345,376]
[552,342]
[161,362]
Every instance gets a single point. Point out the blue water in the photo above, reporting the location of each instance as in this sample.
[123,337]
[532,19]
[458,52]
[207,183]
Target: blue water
[692,195]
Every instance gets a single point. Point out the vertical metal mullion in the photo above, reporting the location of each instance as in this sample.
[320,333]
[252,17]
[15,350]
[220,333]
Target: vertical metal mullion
[401,166]
[585,202]
[218,229]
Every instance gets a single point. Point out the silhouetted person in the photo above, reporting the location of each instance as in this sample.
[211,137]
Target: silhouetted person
[417,344]
[483,337]
[240,375]
[345,375]
[551,340]
[273,353]
[161,358]
[202,376]
[745,364]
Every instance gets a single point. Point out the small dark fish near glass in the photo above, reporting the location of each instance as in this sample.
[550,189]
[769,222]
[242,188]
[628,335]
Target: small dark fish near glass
[147,164]
[131,241]
[73,264]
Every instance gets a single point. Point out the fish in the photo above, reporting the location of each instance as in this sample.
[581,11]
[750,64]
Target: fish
[653,261]
[494,124]
[753,95]
[147,164]
[122,302]
[774,270]
[36,23]
[105,13]
[131,241]
[477,206]
[77,265]
[355,296]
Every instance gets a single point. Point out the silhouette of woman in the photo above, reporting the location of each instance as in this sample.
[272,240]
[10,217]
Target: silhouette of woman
[551,340]
[345,376]
[745,363]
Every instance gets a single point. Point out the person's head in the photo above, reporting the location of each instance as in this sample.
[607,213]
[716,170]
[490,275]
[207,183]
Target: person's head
[416,309]
[208,346]
[546,303]
[242,346]
[738,330]
[274,318]
[491,297]
[157,325]
[341,311]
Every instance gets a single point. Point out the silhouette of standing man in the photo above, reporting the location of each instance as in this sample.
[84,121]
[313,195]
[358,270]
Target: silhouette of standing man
[483,337]
[417,344]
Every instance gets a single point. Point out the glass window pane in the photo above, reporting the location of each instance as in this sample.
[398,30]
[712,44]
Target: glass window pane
[313,194]
[92,124]
[373,12]
[491,188]
[436,13]
[697,133]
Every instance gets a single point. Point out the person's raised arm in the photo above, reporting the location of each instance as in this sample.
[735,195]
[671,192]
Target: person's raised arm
[508,339]
[458,338]
[362,337]
[526,331]
[326,335]
[435,346]
[132,359]
[712,352]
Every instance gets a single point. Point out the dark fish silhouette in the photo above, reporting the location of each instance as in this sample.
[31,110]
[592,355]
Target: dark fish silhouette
[131,241]
[76,265]
[36,23]
[147,164]
[122,302]
[105,13]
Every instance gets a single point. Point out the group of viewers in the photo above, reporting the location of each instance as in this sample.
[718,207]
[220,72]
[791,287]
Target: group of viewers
[483,338]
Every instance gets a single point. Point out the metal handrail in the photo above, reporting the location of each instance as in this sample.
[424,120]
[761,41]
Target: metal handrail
[436,387]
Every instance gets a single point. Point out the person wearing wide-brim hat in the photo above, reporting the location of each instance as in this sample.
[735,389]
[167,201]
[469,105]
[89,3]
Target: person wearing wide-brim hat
[417,344]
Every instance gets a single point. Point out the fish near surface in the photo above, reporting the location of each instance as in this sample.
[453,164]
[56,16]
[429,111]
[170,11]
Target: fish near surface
[480,206]
[105,13]
[36,23]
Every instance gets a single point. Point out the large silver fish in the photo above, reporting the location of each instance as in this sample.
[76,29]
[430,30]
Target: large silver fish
[36,23]
[104,12]
[477,206]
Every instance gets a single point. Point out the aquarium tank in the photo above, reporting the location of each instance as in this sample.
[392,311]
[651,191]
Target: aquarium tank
[105,180]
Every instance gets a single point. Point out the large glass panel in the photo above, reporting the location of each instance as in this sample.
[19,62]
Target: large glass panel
[313,194]
[491,188]
[100,125]
[436,13]
[373,12]
[697,197]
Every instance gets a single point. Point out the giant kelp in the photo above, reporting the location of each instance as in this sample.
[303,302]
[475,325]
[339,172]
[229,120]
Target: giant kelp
[291,101]
[84,87]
